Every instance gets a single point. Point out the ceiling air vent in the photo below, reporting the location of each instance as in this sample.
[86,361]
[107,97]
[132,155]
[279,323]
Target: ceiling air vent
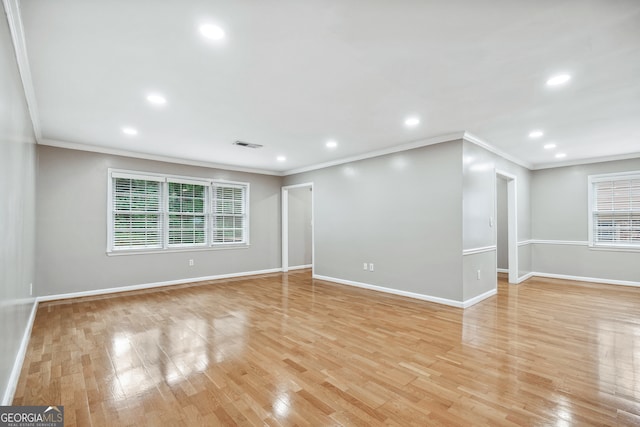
[247,144]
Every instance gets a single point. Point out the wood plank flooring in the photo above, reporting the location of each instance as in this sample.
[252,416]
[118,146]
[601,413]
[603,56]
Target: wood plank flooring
[283,349]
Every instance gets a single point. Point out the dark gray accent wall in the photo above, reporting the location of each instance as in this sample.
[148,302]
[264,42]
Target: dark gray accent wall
[17,206]
[72,228]
[402,212]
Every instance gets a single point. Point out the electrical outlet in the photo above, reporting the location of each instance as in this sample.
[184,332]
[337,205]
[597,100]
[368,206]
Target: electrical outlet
[30,289]
[365,266]
[370,266]
[490,221]
[478,274]
[190,263]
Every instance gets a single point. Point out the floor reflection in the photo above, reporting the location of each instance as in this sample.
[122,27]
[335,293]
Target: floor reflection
[290,350]
[229,336]
[171,353]
[282,405]
[619,357]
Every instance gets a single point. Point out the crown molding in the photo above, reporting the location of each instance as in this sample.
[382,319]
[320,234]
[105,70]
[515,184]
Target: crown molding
[146,156]
[578,162]
[14,19]
[487,146]
[12,9]
[378,153]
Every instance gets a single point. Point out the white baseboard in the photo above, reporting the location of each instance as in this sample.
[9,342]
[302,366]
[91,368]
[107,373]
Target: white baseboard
[12,384]
[586,279]
[17,367]
[153,285]
[300,267]
[423,297]
[477,299]
[525,277]
[502,270]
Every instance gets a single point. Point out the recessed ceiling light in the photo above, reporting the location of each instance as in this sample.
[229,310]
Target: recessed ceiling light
[536,134]
[558,80]
[281,158]
[129,131]
[412,121]
[549,146]
[331,144]
[156,99]
[212,32]
[560,155]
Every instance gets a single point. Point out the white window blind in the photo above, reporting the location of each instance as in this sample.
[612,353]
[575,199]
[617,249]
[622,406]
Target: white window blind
[155,212]
[137,215]
[187,216]
[615,210]
[229,213]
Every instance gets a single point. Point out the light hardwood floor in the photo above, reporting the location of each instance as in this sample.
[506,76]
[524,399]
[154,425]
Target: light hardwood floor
[284,349]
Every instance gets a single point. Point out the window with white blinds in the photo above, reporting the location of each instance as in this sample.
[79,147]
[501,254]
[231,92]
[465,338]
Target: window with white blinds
[137,213]
[228,214]
[187,216]
[155,212]
[614,219]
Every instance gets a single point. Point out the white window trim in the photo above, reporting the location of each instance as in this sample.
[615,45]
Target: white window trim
[247,210]
[165,179]
[592,179]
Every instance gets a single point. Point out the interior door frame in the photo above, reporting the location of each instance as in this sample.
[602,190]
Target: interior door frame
[512,223]
[285,225]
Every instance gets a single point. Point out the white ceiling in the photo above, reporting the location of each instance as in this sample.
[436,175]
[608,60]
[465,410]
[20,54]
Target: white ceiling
[292,74]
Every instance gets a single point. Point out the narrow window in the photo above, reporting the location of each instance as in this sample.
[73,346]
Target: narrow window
[137,214]
[229,213]
[187,216]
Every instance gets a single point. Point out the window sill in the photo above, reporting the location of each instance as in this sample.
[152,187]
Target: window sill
[177,250]
[614,248]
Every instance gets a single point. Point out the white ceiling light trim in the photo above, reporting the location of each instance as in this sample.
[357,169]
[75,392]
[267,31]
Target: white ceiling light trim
[212,32]
[561,155]
[558,79]
[536,134]
[332,143]
[281,158]
[412,121]
[128,130]
[156,99]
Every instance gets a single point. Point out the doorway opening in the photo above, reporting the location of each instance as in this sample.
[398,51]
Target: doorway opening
[507,225]
[297,227]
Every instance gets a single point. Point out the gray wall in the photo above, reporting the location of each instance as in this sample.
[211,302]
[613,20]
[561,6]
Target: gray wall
[560,213]
[17,206]
[71,247]
[402,212]
[300,244]
[502,224]
[479,205]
